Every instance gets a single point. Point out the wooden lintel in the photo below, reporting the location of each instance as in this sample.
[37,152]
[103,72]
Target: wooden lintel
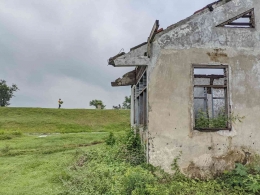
[212,86]
[208,76]
[239,24]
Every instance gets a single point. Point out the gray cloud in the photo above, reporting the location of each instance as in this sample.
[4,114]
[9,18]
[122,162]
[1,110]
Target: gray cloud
[59,49]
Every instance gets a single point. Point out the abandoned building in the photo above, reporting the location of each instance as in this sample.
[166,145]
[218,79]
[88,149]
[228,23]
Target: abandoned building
[195,89]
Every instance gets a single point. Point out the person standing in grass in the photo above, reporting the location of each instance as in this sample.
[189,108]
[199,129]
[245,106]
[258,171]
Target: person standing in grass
[60,102]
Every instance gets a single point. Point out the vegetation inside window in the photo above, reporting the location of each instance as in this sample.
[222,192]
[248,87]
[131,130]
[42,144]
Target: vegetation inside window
[210,97]
[202,121]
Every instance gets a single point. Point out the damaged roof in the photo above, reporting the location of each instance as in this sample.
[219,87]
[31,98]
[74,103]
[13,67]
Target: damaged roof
[210,7]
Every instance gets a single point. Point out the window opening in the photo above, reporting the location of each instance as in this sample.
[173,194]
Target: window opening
[141,101]
[244,20]
[210,97]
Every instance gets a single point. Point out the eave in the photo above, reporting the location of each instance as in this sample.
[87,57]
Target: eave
[137,56]
[127,79]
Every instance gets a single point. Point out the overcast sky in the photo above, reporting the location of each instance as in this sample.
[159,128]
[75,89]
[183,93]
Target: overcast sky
[59,48]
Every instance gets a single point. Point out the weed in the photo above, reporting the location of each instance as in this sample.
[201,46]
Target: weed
[111,140]
[175,165]
[132,149]
[242,178]
[5,137]
[6,149]
[220,121]
[17,133]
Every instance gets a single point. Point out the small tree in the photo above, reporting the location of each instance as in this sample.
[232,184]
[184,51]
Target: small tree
[127,103]
[6,93]
[97,103]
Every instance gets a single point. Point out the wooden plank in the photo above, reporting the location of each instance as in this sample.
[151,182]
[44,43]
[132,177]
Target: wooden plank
[211,129]
[208,76]
[154,30]
[212,86]
[151,37]
[148,48]
[239,24]
[206,66]
[139,72]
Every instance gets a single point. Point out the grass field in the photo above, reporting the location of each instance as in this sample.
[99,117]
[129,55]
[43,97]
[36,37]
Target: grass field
[37,145]
[62,152]
[39,120]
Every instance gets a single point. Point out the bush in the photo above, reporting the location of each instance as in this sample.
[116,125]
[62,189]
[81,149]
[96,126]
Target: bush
[242,178]
[121,169]
[17,133]
[111,140]
[131,148]
[9,135]
[5,137]
[5,149]
[203,121]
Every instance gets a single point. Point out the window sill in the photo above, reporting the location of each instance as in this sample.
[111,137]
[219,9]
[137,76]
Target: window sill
[211,129]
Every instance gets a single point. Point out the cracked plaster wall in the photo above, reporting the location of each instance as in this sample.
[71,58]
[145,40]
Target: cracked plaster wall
[198,41]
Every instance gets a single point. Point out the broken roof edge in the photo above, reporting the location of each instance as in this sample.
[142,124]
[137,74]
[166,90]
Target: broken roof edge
[111,59]
[160,32]
[127,79]
[196,14]
[140,45]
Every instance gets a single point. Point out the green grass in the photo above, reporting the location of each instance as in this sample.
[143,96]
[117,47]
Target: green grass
[38,145]
[43,120]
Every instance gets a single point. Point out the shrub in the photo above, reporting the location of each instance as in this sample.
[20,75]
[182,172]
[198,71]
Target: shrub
[5,149]
[111,140]
[242,178]
[17,133]
[131,148]
[5,137]
[203,121]
[121,169]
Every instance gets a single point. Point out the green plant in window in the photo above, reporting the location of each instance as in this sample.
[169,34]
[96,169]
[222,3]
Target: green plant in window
[202,120]
[220,121]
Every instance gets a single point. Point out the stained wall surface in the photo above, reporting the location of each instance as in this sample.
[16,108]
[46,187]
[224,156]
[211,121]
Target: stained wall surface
[197,40]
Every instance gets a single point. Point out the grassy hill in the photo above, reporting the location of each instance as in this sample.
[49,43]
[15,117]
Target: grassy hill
[37,145]
[43,120]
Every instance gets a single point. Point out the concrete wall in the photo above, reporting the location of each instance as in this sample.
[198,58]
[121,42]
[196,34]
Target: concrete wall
[198,41]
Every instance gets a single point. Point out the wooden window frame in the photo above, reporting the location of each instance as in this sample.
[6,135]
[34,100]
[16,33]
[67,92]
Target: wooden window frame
[210,87]
[140,100]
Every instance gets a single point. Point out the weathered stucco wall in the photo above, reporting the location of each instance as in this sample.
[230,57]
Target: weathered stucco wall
[198,41]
